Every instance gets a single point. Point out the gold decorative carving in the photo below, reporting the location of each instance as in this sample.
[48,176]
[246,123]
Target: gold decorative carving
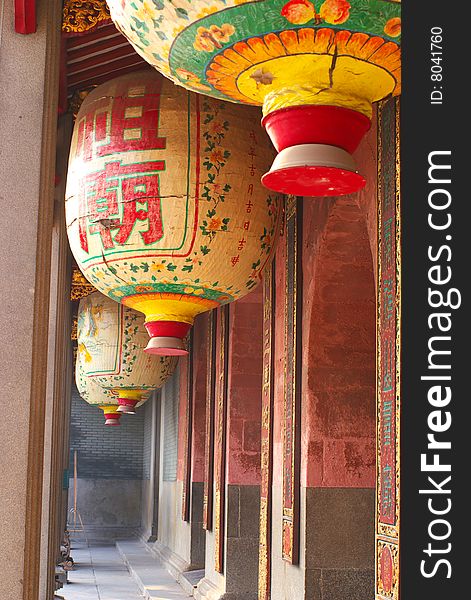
[187,456]
[292,391]
[79,16]
[209,425]
[266,471]
[73,333]
[388,534]
[388,581]
[80,286]
[220,440]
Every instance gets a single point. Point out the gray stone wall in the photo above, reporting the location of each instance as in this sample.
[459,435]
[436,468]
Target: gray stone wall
[171,403]
[112,462]
[109,508]
[106,452]
[340,543]
[147,439]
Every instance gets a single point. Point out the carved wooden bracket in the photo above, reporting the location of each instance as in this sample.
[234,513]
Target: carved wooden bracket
[80,287]
[80,16]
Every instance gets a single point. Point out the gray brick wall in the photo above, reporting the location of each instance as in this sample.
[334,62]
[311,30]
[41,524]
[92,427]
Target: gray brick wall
[170,419]
[147,409]
[105,452]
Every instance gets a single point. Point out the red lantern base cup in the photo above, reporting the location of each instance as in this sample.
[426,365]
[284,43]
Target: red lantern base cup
[315,145]
[166,338]
[127,406]
[112,419]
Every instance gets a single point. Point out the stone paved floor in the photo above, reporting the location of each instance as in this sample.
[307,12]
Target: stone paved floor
[99,574]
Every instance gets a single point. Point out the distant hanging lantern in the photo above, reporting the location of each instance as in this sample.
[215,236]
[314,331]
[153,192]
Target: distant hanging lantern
[315,66]
[165,210]
[95,395]
[111,340]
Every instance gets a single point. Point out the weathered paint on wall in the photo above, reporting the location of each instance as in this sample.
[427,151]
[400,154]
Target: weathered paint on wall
[245,391]
[339,355]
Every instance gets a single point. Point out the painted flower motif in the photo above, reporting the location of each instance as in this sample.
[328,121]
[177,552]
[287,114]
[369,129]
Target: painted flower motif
[157,267]
[143,288]
[393,27]
[176,30]
[298,12]
[207,39]
[216,156]
[146,11]
[217,189]
[83,350]
[186,75]
[216,127]
[214,224]
[191,79]
[335,11]
[207,11]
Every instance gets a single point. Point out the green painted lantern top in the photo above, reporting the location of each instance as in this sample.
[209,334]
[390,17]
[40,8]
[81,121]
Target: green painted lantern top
[262,51]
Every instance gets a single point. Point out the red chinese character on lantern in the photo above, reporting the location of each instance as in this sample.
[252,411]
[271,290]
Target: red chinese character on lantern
[235,260]
[242,243]
[129,122]
[248,207]
[246,225]
[121,188]
[252,155]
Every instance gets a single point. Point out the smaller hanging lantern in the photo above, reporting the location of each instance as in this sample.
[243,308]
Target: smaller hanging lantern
[95,395]
[111,341]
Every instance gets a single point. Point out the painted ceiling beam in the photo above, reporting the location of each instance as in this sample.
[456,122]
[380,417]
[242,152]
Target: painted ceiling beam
[25,16]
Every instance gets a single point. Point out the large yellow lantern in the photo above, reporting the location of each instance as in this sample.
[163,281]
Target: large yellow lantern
[97,396]
[164,206]
[111,340]
[316,67]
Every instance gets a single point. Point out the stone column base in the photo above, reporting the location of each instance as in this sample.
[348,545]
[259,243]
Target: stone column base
[174,563]
[340,549]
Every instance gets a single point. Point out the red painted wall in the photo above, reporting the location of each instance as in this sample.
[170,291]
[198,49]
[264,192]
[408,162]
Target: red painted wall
[338,394]
[339,339]
[245,390]
[339,354]
[200,357]
[366,158]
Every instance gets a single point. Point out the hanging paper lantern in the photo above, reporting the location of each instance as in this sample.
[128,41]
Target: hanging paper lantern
[93,394]
[315,66]
[111,340]
[165,211]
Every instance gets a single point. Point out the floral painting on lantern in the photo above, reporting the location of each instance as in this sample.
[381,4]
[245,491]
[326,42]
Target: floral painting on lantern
[206,45]
[191,220]
[111,339]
